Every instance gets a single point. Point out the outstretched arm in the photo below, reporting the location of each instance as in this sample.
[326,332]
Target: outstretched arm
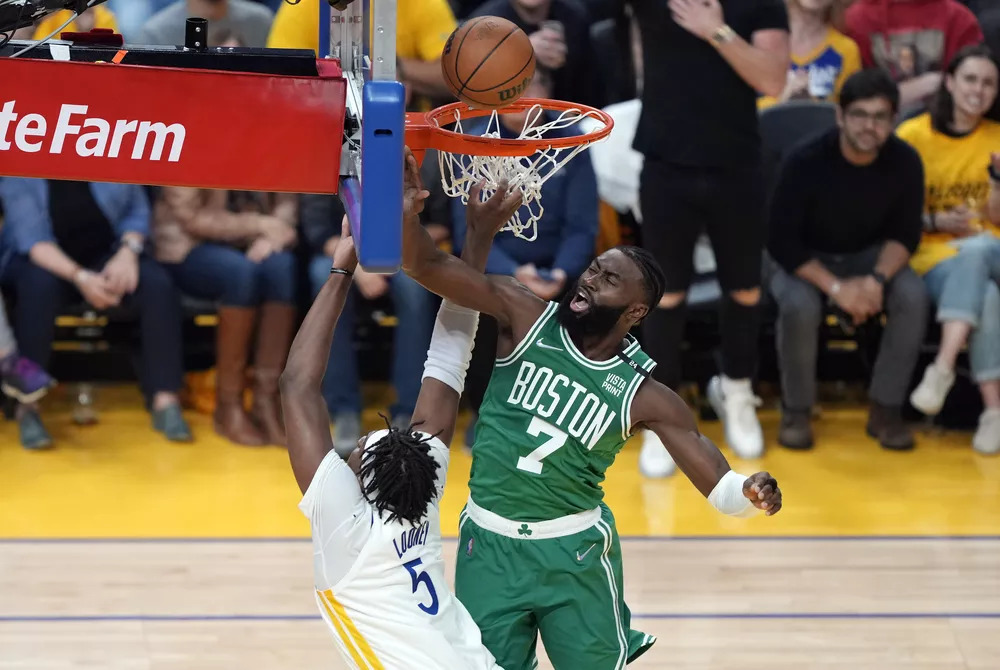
[306,419]
[439,272]
[660,410]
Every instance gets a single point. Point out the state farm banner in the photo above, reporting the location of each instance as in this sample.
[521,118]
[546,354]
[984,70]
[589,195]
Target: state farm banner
[171,126]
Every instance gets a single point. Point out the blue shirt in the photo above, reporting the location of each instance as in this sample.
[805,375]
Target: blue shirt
[26,213]
[567,230]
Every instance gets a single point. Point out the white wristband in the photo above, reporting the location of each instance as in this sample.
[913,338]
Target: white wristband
[728,498]
[450,352]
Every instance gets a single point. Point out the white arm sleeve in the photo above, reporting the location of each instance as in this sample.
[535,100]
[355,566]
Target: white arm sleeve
[451,345]
[728,498]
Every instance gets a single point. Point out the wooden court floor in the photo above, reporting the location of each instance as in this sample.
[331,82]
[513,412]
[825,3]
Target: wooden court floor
[119,550]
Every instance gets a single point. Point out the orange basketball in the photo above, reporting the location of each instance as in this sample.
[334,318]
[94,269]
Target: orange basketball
[488,62]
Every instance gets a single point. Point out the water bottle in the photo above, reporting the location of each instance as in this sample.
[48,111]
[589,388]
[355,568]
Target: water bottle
[85,408]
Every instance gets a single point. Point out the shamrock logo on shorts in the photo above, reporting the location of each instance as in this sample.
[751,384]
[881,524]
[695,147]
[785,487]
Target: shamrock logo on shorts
[524,530]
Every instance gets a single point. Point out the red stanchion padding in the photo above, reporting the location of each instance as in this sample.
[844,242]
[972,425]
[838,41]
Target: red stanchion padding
[171,126]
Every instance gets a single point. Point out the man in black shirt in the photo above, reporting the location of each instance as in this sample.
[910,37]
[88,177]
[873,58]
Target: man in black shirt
[845,217]
[704,63]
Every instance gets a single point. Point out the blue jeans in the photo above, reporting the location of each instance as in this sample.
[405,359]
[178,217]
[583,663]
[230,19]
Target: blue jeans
[964,287]
[414,308]
[220,272]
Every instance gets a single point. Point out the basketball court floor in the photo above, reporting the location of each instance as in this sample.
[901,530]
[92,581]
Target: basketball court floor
[120,551]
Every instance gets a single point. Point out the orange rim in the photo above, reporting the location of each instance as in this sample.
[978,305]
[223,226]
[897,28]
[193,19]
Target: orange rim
[423,129]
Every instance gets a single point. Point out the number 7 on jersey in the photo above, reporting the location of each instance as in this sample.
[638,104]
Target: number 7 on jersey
[533,462]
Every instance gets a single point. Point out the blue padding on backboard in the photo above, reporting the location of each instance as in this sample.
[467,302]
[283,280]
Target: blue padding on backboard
[380,241]
[324,29]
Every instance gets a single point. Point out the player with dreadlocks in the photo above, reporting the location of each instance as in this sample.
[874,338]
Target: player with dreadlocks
[378,563]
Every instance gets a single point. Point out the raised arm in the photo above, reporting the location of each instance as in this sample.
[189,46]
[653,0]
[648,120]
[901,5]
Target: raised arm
[660,410]
[307,421]
[504,298]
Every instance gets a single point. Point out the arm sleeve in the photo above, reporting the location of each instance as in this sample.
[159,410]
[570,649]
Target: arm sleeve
[579,225]
[136,217]
[788,215]
[770,15]
[26,212]
[906,224]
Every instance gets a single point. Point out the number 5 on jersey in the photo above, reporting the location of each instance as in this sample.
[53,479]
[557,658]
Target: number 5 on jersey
[533,462]
[425,579]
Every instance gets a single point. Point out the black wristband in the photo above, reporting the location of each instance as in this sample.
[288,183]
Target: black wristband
[994,175]
[340,271]
[880,278]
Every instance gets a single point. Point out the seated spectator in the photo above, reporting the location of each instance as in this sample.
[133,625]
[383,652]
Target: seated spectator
[235,248]
[845,217]
[959,254]
[822,56]
[20,378]
[413,306]
[95,17]
[252,20]
[912,41]
[422,28]
[67,239]
[560,32]
[548,265]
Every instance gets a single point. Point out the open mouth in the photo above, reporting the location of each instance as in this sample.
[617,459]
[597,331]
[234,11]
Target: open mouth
[580,302]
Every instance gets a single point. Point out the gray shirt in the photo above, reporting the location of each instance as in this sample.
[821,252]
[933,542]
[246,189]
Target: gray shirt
[250,20]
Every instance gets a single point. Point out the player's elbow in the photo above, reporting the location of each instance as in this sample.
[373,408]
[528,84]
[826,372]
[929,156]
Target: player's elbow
[294,381]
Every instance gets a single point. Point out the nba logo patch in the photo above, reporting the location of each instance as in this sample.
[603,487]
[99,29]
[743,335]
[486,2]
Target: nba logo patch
[468,547]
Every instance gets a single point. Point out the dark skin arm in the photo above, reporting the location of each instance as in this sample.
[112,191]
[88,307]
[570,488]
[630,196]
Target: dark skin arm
[307,421]
[660,410]
[513,305]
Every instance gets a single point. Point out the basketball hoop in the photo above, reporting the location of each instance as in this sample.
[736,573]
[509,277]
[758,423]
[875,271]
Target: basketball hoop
[474,154]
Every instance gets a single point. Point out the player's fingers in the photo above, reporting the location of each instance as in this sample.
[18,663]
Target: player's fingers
[764,492]
[774,509]
[476,190]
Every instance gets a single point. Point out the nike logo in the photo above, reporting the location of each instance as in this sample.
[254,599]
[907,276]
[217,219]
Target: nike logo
[582,556]
[548,346]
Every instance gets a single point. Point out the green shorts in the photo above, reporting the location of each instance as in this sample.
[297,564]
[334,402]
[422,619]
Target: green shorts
[567,587]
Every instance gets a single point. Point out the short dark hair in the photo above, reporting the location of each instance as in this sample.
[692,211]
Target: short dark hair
[942,108]
[653,279]
[398,474]
[869,83]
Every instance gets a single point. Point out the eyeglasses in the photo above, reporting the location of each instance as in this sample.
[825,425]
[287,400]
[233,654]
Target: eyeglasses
[861,116]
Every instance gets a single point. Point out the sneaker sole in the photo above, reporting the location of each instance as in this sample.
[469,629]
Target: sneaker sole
[25,398]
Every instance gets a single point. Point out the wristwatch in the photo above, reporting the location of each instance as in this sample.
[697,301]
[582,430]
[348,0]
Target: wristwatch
[880,278]
[723,35]
[133,245]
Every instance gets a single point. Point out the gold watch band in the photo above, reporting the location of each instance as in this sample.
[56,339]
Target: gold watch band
[723,35]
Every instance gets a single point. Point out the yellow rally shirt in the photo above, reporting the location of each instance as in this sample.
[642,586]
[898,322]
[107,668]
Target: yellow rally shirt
[954,174]
[828,66]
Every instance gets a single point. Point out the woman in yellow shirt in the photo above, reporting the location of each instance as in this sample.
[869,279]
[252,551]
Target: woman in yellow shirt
[959,253]
[822,56]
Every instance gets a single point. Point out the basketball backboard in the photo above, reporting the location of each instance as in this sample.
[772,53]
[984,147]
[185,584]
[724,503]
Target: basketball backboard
[363,39]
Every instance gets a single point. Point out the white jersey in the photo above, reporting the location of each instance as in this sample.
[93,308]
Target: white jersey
[381,586]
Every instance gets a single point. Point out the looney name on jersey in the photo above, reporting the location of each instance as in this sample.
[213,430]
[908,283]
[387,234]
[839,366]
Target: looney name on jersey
[575,409]
[409,539]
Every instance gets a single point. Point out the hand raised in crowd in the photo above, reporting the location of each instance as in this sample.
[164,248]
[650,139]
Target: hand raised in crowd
[121,273]
[699,17]
[550,47]
[96,290]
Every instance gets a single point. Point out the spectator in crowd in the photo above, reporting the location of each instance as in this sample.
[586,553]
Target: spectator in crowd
[422,28]
[20,378]
[560,33]
[845,217]
[702,170]
[822,56]
[412,304]
[95,17]
[548,265]
[912,40]
[959,254]
[252,20]
[235,248]
[619,69]
[65,239]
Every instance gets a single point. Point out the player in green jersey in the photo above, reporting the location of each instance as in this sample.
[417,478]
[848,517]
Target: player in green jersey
[538,551]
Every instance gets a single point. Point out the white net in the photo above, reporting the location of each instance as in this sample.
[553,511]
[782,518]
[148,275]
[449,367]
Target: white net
[460,172]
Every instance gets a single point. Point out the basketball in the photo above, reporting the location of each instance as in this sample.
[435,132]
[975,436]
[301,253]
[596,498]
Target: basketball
[488,62]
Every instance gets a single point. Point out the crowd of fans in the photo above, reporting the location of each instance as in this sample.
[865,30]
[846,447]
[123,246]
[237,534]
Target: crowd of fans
[892,212]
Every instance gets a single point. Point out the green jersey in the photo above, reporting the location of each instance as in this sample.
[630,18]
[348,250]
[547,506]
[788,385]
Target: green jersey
[551,424]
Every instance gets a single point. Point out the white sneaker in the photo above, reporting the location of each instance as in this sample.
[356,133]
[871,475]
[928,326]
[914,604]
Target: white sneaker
[655,461]
[930,393]
[736,406]
[987,437]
